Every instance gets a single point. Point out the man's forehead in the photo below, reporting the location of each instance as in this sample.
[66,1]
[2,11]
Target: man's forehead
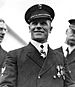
[2,24]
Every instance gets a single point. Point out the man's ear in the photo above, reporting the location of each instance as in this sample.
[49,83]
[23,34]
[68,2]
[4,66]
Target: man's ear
[66,31]
[51,28]
[29,29]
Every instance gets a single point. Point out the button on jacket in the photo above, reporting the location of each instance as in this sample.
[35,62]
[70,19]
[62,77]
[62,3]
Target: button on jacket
[25,68]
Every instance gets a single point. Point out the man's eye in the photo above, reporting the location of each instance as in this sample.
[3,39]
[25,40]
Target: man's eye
[35,23]
[43,23]
[1,28]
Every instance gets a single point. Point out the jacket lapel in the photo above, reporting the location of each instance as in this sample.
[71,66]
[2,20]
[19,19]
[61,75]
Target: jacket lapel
[48,63]
[71,57]
[34,55]
[2,55]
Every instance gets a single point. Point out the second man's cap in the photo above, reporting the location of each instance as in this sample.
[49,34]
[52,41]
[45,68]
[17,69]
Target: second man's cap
[72,24]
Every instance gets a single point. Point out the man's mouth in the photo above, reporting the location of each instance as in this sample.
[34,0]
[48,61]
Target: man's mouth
[72,40]
[39,31]
[1,35]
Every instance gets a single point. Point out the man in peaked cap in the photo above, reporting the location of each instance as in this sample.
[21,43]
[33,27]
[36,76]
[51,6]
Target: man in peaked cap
[36,65]
[70,46]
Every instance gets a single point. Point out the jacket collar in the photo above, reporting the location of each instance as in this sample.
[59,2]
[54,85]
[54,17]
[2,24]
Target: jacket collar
[35,56]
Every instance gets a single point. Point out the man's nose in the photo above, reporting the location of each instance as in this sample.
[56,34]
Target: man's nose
[2,31]
[38,26]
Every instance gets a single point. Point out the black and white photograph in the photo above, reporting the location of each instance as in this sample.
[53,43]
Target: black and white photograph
[37,43]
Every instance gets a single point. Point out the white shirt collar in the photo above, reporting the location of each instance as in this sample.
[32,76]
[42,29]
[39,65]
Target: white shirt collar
[71,49]
[65,46]
[37,45]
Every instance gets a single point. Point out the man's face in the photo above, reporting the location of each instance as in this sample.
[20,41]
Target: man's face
[40,29]
[2,31]
[70,37]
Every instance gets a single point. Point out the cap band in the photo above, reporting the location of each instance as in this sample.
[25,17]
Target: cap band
[40,15]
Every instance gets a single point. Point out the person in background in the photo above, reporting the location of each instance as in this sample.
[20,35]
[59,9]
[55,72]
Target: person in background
[68,48]
[3,53]
[36,65]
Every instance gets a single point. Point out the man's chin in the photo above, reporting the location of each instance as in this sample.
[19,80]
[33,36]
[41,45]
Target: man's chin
[71,42]
[0,41]
[40,40]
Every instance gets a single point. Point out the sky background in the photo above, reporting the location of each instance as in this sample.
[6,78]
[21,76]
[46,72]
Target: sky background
[12,11]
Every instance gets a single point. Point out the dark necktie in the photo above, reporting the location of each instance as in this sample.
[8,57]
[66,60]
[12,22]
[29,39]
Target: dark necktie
[43,53]
[67,51]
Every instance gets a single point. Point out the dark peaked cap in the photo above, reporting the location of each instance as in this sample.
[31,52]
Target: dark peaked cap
[72,21]
[39,11]
[72,24]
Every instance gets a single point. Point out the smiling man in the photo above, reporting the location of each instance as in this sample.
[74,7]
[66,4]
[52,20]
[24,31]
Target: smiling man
[40,29]
[3,53]
[3,29]
[36,65]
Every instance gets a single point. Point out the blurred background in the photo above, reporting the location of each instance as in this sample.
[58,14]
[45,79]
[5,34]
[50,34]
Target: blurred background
[12,11]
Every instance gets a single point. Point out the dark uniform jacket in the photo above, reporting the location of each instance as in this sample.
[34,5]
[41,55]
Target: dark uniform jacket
[3,54]
[26,68]
[71,62]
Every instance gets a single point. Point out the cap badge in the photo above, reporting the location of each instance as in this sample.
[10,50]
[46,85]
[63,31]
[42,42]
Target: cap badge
[40,6]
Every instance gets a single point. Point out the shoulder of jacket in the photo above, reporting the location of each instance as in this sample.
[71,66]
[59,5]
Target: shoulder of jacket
[16,52]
